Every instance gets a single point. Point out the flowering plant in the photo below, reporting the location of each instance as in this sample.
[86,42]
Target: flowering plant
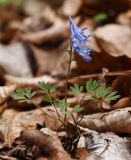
[94,90]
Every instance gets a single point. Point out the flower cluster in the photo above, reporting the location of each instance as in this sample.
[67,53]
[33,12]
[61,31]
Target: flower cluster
[78,41]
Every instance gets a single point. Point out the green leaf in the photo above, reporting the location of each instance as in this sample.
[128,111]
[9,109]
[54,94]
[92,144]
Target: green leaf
[100,17]
[112,96]
[23,95]
[77,109]
[91,86]
[48,99]
[62,105]
[102,91]
[76,90]
[46,88]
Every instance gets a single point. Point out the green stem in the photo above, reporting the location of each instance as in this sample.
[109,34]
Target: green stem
[67,77]
[52,103]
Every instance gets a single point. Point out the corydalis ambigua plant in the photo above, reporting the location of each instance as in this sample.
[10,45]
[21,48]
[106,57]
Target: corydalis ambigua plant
[94,90]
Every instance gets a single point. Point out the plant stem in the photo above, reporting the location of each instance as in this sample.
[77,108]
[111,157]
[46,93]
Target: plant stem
[67,77]
[52,103]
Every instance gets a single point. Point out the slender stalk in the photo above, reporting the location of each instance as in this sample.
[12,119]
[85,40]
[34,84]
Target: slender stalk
[52,103]
[67,78]
[48,114]
[68,73]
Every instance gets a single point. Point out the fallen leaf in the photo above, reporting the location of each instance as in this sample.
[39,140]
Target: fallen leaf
[48,142]
[12,123]
[123,102]
[125,18]
[14,62]
[118,121]
[28,81]
[57,32]
[114,39]
[122,84]
[107,146]
[5,92]
[71,7]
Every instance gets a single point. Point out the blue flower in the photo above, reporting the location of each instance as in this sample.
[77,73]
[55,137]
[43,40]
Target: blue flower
[78,40]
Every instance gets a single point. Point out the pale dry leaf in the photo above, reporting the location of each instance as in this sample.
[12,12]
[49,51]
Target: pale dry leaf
[14,62]
[71,7]
[5,126]
[114,39]
[5,92]
[125,18]
[117,121]
[107,146]
[28,81]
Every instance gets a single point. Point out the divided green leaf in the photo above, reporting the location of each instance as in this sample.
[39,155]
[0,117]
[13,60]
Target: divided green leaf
[46,87]
[91,85]
[23,95]
[62,105]
[76,90]
[77,109]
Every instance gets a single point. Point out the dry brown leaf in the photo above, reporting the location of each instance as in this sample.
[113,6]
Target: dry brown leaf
[51,60]
[123,102]
[107,146]
[71,7]
[56,32]
[13,122]
[28,81]
[118,121]
[122,84]
[48,142]
[5,92]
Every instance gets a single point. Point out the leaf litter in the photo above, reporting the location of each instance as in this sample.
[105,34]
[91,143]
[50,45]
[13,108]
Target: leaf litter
[34,40]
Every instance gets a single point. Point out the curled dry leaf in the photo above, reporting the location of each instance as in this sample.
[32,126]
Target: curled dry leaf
[118,121]
[107,146]
[56,32]
[5,92]
[123,102]
[71,7]
[28,81]
[13,122]
[48,142]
